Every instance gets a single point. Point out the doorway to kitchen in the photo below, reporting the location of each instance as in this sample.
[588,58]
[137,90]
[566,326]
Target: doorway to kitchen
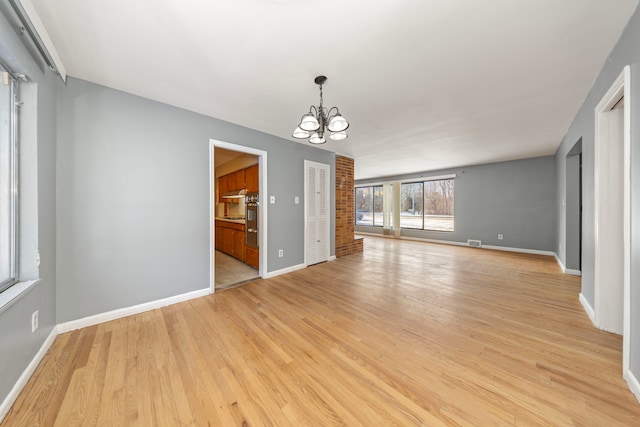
[238,186]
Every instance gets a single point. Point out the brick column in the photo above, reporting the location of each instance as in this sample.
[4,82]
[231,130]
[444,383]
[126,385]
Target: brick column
[345,206]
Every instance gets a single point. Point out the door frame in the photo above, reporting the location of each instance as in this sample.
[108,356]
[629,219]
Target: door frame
[262,211]
[620,88]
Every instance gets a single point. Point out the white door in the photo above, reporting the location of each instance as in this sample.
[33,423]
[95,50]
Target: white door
[316,212]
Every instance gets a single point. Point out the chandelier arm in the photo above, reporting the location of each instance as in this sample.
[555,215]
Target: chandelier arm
[329,115]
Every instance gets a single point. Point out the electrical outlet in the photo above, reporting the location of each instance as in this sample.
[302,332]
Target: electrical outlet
[280,253]
[34,321]
[500,237]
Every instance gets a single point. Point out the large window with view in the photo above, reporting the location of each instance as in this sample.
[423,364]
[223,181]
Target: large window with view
[427,205]
[8,188]
[424,205]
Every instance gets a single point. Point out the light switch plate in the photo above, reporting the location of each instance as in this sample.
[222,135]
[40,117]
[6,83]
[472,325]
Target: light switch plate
[296,200]
[272,200]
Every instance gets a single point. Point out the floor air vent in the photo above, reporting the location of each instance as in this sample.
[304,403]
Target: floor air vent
[474,243]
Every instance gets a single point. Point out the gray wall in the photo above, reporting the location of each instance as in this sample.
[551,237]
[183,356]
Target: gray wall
[515,198]
[133,198]
[626,52]
[37,216]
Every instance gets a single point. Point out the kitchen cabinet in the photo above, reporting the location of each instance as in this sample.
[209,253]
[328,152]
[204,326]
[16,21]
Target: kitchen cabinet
[235,180]
[230,239]
[239,180]
[231,182]
[251,256]
[251,179]
[222,188]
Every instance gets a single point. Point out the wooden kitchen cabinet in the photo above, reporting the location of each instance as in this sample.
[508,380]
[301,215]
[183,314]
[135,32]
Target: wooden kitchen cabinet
[251,256]
[238,245]
[230,239]
[251,179]
[239,179]
[231,182]
[222,188]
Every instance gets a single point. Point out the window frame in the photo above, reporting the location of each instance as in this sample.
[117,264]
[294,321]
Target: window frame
[372,189]
[398,204]
[424,210]
[13,147]
[421,208]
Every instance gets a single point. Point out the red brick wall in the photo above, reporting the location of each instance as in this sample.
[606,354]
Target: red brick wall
[345,216]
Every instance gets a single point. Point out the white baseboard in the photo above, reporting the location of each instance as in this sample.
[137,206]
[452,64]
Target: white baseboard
[26,375]
[566,270]
[633,383]
[588,309]
[451,242]
[332,258]
[285,270]
[521,250]
[128,311]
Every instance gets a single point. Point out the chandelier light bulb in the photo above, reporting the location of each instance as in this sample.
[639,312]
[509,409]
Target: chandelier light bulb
[316,138]
[338,123]
[309,123]
[338,136]
[301,133]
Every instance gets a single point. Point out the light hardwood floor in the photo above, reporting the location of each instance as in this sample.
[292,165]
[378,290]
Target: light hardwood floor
[405,334]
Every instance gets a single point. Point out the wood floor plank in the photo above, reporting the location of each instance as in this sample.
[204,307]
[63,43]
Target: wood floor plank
[406,333]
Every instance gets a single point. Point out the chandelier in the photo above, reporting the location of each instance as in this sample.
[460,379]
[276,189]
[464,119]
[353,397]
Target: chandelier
[319,121]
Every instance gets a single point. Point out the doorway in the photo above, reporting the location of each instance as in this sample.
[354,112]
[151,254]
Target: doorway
[228,268]
[573,211]
[612,212]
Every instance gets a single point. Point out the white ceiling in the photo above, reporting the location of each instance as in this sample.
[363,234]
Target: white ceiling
[425,84]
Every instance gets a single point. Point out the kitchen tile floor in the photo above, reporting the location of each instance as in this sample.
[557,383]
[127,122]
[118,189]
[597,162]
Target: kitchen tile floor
[230,272]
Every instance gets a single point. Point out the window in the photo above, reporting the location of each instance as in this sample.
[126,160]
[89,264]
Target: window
[378,206]
[424,205]
[411,205]
[438,205]
[8,187]
[427,205]
[369,206]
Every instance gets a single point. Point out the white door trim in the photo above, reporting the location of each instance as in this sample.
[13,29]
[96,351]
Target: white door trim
[262,211]
[620,88]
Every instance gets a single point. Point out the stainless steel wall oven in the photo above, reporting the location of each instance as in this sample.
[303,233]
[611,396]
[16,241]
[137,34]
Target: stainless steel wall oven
[251,233]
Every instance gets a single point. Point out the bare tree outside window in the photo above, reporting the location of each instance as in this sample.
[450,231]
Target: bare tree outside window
[411,205]
[364,206]
[369,206]
[424,205]
[438,205]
